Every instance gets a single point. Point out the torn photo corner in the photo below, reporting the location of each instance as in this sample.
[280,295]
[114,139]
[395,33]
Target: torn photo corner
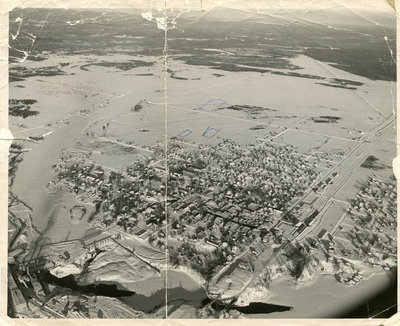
[180,161]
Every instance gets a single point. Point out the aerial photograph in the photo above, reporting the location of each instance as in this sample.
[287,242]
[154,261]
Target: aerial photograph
[202,162]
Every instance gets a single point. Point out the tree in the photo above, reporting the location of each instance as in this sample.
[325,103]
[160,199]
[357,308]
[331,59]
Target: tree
[299,259]
[199,231]
[151,238]
[14,160]
[66,308]
[173,257]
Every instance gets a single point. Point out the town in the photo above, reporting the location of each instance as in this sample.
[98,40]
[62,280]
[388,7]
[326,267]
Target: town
[221,200]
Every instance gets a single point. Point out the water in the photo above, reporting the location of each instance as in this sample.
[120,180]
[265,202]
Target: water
[35,172]
[196,297]
[109,290]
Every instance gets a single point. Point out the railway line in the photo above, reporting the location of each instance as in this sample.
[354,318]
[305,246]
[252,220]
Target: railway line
[345,169]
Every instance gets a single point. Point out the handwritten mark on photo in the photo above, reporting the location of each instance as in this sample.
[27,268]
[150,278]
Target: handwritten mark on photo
[210,132]
[213,105]
[184,133]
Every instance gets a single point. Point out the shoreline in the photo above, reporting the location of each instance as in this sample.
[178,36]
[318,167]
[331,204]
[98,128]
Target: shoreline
[324,296]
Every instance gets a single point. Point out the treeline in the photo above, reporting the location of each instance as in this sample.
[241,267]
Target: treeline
[21,108]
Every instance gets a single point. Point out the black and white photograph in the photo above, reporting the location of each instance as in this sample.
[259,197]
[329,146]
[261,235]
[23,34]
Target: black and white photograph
[202,160]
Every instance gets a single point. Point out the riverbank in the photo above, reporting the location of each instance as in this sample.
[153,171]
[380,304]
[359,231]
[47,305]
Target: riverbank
[324,297]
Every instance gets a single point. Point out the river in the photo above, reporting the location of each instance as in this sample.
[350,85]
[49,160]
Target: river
[35,172]
[181,289]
